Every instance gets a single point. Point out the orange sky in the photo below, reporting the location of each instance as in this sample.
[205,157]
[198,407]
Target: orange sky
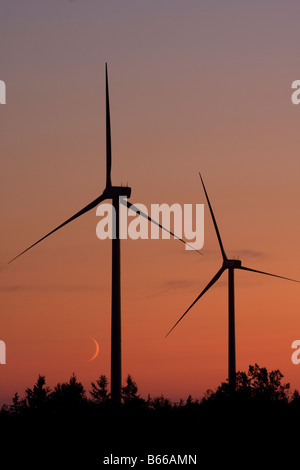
[193,87]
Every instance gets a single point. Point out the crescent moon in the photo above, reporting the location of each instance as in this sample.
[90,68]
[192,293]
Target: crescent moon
[96,352]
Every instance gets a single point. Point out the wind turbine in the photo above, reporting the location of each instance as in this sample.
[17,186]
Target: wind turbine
[118,194]
[230,265]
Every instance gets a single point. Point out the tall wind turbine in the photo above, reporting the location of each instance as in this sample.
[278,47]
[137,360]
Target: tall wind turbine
[114,193]
[230,265]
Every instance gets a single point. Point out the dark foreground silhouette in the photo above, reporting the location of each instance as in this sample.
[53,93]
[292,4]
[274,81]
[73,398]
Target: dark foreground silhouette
[66,427]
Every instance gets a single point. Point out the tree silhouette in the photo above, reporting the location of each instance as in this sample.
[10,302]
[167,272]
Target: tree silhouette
[70,393]
[99,390]
[160,403]
[267,385]
[37,397]
[296,396]
[18,405]
[129,391]
[256,384]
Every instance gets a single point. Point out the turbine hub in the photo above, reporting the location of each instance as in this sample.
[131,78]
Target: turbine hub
[232,263]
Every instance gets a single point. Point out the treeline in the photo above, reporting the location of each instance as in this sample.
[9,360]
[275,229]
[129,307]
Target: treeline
[82,426]
[257,385]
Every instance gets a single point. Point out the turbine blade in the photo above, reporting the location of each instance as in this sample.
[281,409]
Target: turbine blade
[108,134]
[267,274]
[75,216]
[214,221]
[209,285]
[135,209]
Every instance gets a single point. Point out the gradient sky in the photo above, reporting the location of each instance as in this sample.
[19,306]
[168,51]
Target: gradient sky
[195,85]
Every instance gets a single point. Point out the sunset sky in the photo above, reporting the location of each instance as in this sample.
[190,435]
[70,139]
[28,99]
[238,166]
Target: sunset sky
[194,86]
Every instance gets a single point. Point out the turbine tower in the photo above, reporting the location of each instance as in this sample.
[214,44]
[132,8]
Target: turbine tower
[230,265]
[118,194]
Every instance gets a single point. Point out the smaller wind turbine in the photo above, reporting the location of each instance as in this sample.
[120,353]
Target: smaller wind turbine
[231,265]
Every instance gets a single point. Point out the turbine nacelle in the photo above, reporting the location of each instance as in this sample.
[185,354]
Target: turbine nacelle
[232,263]
[111,192]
